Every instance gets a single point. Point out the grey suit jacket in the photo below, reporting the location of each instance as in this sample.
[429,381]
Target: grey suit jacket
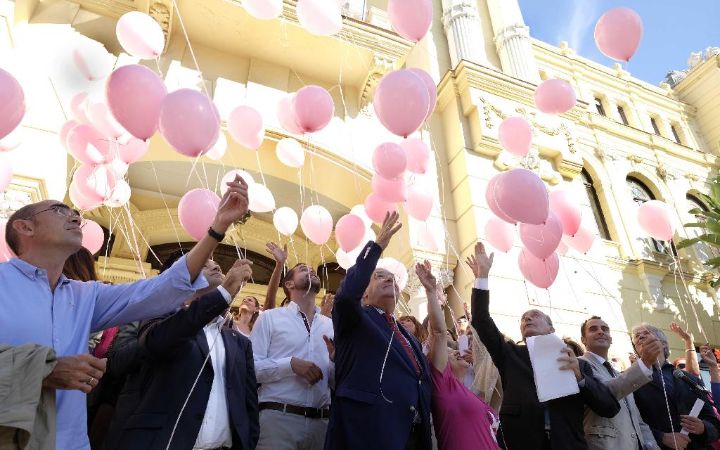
[621,431]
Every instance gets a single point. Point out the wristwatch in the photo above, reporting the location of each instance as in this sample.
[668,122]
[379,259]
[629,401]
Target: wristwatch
[215,235]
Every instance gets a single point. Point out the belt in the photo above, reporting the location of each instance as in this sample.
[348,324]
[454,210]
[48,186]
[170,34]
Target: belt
[310,413]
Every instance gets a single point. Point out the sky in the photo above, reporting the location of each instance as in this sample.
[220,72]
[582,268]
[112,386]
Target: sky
[673,29]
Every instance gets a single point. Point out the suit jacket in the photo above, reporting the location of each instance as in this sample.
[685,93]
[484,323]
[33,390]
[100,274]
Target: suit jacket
[176,349]
[522,417]
[650,400]
[623,430]
[368,413]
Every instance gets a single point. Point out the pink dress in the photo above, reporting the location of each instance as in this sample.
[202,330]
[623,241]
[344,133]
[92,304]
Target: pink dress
[462,421]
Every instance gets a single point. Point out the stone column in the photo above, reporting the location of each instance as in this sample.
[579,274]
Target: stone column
[512,39]
[463,29]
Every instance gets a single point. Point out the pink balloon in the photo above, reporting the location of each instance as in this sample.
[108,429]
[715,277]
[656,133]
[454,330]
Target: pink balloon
[320,17]
[5,253]
[431,89]
[6,173]
[492,203]
[77,107]
[313,107]
[582,241]
[196,210]
[286,115]
[317,224]
[88,146]
[655,218]
[618,33]
[401,101]
[515,135]
[566,209]
[95,183]
[541,273]
[389,190]
[349,232]
[65,130]
[419,202]
[542,240]
[263,9]
[135,96]
[92,236]
[389,160]
[80,201]
[133,151]
[100,117]
[411,18]
[500,234]
[417,154]
[12,103]
[562,249]
[140,35]
[12,140]
[245,125]
[92,60]
[376,207]
[555,97]
[189,122]
[522,195]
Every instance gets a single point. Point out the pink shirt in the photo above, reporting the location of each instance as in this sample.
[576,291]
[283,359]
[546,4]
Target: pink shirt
[461,419]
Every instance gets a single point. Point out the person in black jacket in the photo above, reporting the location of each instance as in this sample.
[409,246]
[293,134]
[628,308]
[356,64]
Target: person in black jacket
[525,423]
[666,397]
[202,391]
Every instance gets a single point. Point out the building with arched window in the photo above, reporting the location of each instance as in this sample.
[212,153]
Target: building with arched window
[625,142]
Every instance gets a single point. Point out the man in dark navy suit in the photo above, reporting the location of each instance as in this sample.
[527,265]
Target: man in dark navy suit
[383,387]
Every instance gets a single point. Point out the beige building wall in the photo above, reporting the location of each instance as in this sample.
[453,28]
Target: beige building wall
[486,66]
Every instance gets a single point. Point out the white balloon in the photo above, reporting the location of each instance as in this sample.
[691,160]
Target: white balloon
[263,9]
[218,150]
[118,167]
[397,268]
[260,198]
[320,17]
[230,176]
[120,195]
[92,60]
[12,140]
[140,35]
[347,259]
[290,152]
[359,210]
[285,220]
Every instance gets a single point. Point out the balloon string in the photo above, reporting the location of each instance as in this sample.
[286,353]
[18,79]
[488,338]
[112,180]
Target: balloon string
[192,52]
[167,208]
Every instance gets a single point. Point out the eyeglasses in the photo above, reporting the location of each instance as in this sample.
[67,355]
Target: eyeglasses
[61,210]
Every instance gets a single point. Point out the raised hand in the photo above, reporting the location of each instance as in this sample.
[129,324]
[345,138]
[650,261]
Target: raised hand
[79,372]
[708,355]
[684,335]
[480,262]
[233,206]
[651,351]
[326,306]
[389,227]
[279,253]
[237,276]
[425,275]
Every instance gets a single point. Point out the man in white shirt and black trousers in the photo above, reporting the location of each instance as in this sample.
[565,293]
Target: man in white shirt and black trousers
[294,367]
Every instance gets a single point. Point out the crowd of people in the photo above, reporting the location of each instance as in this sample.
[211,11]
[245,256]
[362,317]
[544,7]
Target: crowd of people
[164,363]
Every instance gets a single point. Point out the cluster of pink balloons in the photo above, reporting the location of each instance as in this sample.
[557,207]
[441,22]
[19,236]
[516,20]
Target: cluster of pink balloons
[411,18]
[618,33]
[545,220]
[308,110]
[655,219]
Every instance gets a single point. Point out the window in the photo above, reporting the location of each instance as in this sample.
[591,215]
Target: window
[641,194]
[675,133]
[331,274]
[623,117]
[653,122]
[595,205]
[703,250]
[599,106]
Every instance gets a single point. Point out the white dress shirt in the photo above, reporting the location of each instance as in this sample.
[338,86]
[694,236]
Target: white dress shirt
[281,334]
[215,429]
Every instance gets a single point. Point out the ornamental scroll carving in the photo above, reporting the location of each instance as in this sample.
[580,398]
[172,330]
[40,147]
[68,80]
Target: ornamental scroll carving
[162,13]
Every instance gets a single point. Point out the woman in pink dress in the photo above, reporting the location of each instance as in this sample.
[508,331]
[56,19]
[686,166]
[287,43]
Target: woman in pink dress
[462,421]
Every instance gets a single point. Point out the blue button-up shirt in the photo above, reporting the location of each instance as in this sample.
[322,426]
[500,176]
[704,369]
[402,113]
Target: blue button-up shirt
[31,313]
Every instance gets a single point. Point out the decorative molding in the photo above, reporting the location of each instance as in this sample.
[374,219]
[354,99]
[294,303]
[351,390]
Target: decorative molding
[635,159]
[381,66]
[161,11]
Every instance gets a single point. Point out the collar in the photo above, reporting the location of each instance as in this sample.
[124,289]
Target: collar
[292,306]
[33,272]
[219,320]
[596,357]
[382,312]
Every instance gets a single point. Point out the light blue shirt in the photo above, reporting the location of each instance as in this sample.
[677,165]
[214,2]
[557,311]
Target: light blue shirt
[63,320]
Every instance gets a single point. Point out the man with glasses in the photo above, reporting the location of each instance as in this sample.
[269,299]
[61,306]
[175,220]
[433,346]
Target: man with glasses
[40,305]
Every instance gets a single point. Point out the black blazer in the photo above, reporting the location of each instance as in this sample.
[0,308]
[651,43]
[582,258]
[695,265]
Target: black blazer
[522,417]
[650,400]
[176,348]
[367,414]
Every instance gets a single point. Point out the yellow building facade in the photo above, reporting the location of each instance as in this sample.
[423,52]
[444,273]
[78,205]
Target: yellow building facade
[625,142]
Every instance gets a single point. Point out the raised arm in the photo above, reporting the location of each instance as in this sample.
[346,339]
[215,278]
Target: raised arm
[438,343]
[280,255]
[347,306]
[691,361]
[640,373]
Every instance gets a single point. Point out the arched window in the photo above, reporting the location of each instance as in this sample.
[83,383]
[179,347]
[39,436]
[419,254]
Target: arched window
[704,251]
[694,202]
[595,205]
[641,194]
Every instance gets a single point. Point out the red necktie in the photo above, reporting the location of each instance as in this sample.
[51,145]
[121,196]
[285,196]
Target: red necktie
[406,345]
